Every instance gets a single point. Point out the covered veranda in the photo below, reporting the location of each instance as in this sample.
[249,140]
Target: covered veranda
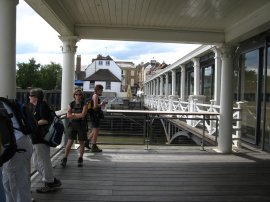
[221,23]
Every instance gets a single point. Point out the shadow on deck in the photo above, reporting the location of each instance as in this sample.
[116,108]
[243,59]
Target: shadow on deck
[163,173]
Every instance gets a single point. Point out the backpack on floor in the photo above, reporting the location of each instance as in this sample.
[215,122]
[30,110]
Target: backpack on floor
[55,132]
[8,146]
[24,116]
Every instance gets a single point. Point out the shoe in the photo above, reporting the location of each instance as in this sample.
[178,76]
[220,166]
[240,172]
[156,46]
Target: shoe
[87,144]
[80,162]
[56,183]
[32,199]
[64,162]
[45,189]
[95,148]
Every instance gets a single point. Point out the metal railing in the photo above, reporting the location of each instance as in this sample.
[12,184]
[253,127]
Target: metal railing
[150,116]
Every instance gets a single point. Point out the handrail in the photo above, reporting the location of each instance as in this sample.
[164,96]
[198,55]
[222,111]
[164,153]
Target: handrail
[151,115]
[162,112]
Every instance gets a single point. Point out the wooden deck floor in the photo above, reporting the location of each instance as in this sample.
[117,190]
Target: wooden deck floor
[168,173]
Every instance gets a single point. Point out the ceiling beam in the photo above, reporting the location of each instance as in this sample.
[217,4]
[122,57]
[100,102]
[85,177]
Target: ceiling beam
[148,35]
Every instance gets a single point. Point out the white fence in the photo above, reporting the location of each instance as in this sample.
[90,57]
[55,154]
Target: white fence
[171,104]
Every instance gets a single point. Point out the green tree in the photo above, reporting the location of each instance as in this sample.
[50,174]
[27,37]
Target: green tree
[32,74]
[50,76]
[28,74]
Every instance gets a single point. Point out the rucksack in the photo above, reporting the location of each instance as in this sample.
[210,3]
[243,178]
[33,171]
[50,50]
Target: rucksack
[7,137]
[90,105]
[55,132]
[24,116]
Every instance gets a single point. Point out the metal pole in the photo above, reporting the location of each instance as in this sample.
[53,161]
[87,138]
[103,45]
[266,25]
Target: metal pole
[202,145]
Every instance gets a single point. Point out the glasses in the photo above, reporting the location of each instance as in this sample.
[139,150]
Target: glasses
[32,96]
[79,94]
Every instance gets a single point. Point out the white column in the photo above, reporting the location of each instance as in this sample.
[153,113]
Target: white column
[69,50]
[157,87]
[217,75]
[183,83]
[226,102]
[8,48]
[150,88]
[166,84]
[196,76]
[173,81]
[161,86]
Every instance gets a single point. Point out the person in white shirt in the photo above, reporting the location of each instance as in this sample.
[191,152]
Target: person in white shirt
[16,171]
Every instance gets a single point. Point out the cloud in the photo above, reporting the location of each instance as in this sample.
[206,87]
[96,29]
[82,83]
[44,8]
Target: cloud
[36,39]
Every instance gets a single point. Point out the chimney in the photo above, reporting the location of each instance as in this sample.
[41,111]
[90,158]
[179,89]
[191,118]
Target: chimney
[78,63]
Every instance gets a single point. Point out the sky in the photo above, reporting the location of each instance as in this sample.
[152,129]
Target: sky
[36,39]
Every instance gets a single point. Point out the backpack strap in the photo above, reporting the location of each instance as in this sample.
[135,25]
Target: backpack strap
[15,110]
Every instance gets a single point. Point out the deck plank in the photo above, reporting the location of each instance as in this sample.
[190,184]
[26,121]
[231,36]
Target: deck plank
[162,174]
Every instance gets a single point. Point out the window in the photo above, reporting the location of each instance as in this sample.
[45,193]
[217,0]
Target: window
[132,72]
[207,82]
[131,82]
[249,93]
[92,85]
[100,62]
[189,83]
[108,85]
[107,63]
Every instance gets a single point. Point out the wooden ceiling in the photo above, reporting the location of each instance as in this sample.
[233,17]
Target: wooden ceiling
[180,21]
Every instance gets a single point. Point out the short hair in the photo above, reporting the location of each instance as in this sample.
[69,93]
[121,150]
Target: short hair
[76,91]
[38,93]
[98,87]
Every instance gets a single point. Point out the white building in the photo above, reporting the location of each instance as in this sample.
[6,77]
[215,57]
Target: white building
[104,71]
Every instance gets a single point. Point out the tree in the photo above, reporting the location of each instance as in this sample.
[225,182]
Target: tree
[50,76]
[46,77]
[27,74]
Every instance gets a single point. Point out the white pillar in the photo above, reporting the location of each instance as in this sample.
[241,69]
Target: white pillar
[8,48]
[217,75]
[150,88]
[157,87]
[69,50]
[161,86]
[196,75]
[183,83]
[173,81]
[166,84]
[226,102]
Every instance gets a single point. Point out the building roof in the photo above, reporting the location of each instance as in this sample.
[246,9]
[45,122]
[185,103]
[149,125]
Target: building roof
[124,64]
[102,75]
[100,57]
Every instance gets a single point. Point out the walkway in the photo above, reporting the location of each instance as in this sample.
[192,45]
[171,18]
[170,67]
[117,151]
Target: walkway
[167,173]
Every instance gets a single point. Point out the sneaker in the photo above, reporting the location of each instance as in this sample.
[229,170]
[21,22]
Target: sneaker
[45,189]
[64,162]
[80,162]
[56,183]
[95,148]
[87,144]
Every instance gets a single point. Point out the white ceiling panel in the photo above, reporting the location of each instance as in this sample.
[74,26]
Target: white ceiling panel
[151,20]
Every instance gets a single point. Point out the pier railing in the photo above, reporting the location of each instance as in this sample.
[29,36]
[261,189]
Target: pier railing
[171,104]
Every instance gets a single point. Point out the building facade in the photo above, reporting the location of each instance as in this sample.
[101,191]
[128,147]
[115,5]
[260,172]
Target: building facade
[104,71]
[204,76]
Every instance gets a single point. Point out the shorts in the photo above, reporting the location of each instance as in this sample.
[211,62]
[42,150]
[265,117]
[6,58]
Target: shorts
[77,129]
[95,123]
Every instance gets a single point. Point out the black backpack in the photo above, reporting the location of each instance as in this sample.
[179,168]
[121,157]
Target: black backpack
[23,113]
[7,137]
[55,129]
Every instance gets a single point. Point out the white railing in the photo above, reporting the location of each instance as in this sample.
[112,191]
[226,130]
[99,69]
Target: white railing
[170,104]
